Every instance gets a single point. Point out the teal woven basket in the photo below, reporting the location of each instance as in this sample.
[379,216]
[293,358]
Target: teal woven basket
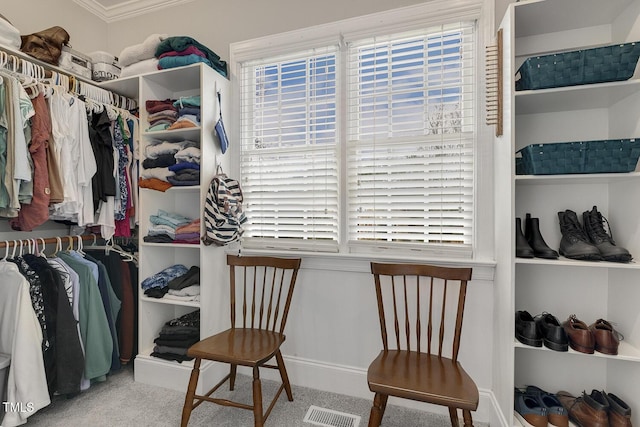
[587,66]
[600,156]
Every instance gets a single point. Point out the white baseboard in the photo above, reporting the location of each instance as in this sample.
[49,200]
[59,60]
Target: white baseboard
[352,381]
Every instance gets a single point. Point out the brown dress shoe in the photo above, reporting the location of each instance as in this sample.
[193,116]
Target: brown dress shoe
[606,338]
[587,410]
[619,411]
[580,336]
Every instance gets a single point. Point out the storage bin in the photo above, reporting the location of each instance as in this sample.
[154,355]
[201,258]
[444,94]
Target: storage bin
[76,62]
[105,66]
[599,156]
[5,360]
[598,65]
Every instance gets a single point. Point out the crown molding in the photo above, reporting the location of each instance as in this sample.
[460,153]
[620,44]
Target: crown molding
[127,9]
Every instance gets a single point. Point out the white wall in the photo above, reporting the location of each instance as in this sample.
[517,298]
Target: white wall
[218,26]
[333,333]
[87,32]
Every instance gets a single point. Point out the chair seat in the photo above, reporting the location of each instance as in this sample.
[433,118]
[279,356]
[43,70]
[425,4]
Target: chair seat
[247,347]
[423,377]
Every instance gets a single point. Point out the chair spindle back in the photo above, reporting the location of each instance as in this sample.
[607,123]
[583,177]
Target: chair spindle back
[261,291]
[413,302]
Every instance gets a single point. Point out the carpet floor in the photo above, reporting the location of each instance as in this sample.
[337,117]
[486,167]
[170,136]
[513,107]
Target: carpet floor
[122,402]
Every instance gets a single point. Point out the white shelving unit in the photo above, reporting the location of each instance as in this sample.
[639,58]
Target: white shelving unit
[197,79]
[590,290]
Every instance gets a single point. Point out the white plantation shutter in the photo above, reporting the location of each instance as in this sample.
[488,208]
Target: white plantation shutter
[411,133]
[289,150]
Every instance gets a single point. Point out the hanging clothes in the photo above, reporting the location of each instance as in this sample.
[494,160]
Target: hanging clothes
[118,271]
[21,336]
[69,358]
[36,212]
[94,326]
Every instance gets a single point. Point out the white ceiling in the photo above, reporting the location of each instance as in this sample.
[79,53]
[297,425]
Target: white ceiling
[114,10]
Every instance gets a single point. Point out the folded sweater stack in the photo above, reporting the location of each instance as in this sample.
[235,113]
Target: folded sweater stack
[169,227]
[188,116]
[174,163]
[176,336]
[161,113]
[181,50]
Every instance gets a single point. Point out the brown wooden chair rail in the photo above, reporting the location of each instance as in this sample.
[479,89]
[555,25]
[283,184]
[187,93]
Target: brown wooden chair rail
[261,290]
[416,302]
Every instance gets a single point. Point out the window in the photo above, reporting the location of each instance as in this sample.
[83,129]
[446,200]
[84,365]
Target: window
[366,143]
[289,150]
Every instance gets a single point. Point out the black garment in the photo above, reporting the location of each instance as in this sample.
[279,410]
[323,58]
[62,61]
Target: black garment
[103,182]
[69,358]
[185,343]
[171,356]
[190,278]
[190,319]
[162,161]
[156,292]
[158,238]
[37,301]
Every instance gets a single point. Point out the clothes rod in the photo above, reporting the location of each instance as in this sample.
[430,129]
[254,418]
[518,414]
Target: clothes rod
[56,69]
[47,240]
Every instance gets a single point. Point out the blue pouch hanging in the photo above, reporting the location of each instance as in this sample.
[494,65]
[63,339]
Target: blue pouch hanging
[219,127]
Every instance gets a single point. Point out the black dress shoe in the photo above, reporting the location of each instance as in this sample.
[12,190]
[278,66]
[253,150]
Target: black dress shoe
[553,334]
[526,331]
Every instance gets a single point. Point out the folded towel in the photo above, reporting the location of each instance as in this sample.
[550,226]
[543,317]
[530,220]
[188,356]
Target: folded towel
[142,67]
[141,51]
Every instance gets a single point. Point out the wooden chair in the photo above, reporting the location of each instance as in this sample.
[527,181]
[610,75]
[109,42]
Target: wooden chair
[264,287]
[413,303]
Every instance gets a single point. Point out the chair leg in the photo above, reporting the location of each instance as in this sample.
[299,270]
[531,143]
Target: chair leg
[191,391]
[232,376]
[257,399]
[284,376]
[453,415]
[377,409]
[468,421]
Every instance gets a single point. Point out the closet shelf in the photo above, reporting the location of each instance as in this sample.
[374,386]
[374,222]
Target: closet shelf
[170,245]
[177,189]
[566,262]
[626,351]
[195,304]
[582,97]
[587,179]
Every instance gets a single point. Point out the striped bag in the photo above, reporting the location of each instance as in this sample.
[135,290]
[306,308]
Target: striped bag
[223,215]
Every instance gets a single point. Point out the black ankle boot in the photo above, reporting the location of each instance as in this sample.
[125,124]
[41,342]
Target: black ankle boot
[603,240]
[535,240]
[523,250]
[574,243]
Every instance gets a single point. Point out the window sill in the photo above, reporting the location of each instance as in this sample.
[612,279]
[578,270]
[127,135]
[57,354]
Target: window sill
[483,269]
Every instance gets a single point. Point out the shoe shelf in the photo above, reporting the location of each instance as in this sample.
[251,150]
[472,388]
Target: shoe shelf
[194,304]
[567,262]
[626,351]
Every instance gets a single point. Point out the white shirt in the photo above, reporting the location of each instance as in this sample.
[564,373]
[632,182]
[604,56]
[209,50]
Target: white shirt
[21,336]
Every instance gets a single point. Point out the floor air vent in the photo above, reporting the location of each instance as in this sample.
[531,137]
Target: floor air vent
[329,418]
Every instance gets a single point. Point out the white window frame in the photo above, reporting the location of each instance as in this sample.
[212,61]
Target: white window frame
[433,12]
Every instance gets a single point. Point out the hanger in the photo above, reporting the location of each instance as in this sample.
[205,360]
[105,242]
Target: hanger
[58,246]
[6,250]
[110,246]
[79,249]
